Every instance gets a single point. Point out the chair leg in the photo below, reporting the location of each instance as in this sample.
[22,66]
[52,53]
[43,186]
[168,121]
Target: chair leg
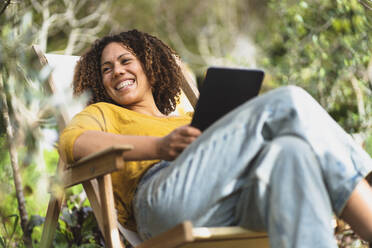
[91,189]
[108,212]
[51,220]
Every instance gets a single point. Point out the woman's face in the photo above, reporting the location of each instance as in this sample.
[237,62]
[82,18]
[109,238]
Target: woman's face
[123,77]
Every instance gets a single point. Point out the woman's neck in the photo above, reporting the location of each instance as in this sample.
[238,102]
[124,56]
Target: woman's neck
[151,110]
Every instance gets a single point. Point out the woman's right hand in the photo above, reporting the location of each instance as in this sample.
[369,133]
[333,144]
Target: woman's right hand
[170,146]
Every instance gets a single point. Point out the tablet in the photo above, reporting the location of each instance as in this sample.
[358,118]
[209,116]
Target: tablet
[223,90]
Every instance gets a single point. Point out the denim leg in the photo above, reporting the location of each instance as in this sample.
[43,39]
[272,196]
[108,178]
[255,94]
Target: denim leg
[204,183]
[287,176]
[343,162]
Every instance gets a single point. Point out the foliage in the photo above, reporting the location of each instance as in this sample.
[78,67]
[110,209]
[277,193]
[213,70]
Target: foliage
[29,106]
[13,35]
[221,37]
[9,233]
[323,46]
[77,226]
[368,145]
[28,113]
[31,111]
[35,196]
[68,26]
[347,238]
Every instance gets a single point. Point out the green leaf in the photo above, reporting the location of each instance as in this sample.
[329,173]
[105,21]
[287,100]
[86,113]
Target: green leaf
[2,242]
[34,221]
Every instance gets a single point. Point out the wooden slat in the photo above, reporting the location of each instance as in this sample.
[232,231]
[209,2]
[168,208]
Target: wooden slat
[62,116]
[51,220]
[217,233]
[176,236]
[232,237]
[43,61]
[91,189]
[92,157]
[185,236]
[108,212]
[54,208]
[232,243]
[189,87]
[96,165]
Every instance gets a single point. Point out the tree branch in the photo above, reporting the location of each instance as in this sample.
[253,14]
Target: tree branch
[366,3]
[369,74]
[6,3]
[13,154]
[359,96]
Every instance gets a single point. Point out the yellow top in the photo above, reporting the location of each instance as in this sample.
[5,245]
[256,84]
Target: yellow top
[118,120]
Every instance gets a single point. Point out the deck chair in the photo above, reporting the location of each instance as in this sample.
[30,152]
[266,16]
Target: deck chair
[93,172]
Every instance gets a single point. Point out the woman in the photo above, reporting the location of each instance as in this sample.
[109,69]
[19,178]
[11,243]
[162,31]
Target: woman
[277,163]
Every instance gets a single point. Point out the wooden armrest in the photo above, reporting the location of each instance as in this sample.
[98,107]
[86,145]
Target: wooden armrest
[174,237]
[95,165]
[230,232]
[184,235]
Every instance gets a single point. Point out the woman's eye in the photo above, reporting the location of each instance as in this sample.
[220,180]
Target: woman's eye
[106,69]
[125,61]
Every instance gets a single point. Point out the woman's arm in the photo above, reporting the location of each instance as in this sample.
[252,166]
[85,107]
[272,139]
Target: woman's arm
[145,147]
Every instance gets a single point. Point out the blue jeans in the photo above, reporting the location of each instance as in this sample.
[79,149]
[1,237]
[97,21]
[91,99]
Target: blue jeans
[278,163]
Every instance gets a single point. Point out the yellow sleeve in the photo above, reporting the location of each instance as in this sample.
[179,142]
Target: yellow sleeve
[91,118]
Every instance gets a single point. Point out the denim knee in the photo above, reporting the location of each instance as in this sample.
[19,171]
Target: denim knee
[283,162]
[294,148]
[295,94]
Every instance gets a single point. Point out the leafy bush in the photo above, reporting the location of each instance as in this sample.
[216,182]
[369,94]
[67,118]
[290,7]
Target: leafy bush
[9,228]
[323,46]
[77,227]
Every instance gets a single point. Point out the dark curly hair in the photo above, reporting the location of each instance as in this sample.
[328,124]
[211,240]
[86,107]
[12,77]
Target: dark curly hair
[158,61]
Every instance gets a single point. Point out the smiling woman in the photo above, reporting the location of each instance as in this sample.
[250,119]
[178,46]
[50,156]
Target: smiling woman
[125,81]
[278,162]
[157,60]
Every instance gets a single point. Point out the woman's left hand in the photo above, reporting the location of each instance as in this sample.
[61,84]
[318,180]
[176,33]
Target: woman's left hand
[170,146]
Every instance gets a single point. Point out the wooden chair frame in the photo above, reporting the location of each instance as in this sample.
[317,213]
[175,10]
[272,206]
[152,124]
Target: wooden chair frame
[94,173]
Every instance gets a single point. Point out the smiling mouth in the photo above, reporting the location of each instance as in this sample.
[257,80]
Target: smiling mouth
[124,84]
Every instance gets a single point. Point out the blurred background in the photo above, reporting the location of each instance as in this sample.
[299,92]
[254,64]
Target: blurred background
[323,46]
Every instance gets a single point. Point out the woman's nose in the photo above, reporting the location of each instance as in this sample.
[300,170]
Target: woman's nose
[118,70]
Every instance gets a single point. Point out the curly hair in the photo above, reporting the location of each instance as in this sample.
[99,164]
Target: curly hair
[158,61]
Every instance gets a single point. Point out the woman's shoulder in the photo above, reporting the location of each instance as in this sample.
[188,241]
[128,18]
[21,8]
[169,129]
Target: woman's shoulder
[104,108]
[101,112]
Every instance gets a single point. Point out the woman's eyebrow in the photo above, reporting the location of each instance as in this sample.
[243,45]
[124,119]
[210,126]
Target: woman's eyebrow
[109,63]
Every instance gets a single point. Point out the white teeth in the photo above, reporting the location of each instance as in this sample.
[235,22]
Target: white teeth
[124,84]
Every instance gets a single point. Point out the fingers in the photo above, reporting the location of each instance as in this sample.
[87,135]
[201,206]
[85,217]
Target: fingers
[184,136]
[189,131]
[175,142]
[180,145]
